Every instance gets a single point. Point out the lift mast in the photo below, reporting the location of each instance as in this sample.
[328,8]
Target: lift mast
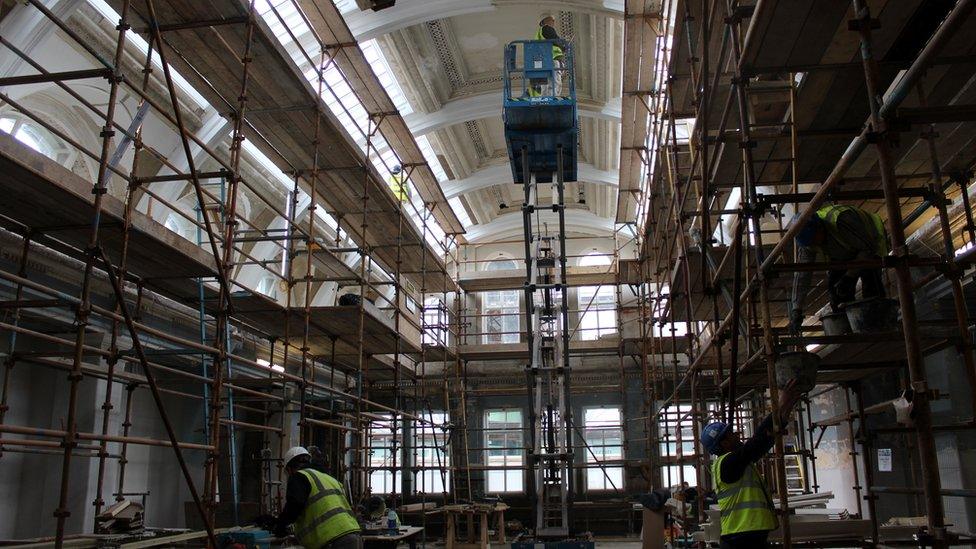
[541,134]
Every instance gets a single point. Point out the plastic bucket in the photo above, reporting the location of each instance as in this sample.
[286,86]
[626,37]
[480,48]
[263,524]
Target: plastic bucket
[799,365]
[835,324]
[877,314]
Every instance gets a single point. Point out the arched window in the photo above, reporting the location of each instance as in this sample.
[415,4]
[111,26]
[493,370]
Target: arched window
[500,309]
[268,286]
[594,259]
[181,226]
[597,304]
[38,138]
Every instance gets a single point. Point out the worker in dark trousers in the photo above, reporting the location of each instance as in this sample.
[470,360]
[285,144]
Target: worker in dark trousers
[746,507]
[316,504]
[839,233]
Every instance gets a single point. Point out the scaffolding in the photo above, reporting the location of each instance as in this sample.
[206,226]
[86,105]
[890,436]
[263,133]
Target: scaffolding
[755,113]
[293,370]
[721,145]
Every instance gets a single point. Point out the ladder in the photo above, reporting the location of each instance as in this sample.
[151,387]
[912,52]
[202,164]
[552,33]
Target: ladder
[796,482]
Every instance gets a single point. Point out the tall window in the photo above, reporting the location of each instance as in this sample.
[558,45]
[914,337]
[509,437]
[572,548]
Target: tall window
[598,312]
[603,430]
[597,304]
[504,441]
[673,419]
[384,448]
[432,457]
[435,321]
[500,310]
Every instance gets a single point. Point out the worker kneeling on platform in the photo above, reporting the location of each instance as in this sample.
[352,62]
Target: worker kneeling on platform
[839,233]
[746,507]
[317,506]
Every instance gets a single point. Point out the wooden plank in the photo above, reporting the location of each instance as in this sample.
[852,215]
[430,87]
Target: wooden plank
[47,197]
[498,351]
[514,279]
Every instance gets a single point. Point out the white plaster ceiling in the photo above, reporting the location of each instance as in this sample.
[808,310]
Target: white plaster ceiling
[447,56]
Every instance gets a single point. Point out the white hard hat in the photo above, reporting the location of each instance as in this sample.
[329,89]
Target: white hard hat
[544,16]
[293,453]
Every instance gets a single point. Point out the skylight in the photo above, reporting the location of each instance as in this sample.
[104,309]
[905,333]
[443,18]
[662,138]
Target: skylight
[110,14]
[286,184]
[459,210]
[376,59]
[343,103]
[345,6]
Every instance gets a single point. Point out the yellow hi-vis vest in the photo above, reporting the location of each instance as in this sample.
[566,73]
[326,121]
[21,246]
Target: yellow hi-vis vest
[744,504]
[557,52]
[327,515]
[398,185]
[873,222]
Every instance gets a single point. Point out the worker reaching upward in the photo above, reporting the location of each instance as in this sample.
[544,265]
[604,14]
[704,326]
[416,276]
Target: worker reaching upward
[316,504]
[745,505]
[839,233]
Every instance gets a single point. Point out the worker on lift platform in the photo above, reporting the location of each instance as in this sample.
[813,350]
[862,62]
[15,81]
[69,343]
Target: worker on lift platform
[744,502]
[839,233]
[316,504]
[547,31]
[539,113]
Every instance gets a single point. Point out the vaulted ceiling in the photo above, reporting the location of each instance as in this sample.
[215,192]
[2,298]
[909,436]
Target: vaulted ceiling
[447,56]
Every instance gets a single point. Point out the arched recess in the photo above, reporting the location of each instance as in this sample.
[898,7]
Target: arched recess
[48,106]
[500,310]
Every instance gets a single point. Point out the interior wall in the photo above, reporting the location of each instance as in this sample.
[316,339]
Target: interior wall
[31,481]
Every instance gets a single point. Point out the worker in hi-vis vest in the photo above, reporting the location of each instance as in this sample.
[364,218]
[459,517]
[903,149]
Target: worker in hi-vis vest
[398,184]
[547,31]
[839,233]
[744,502]
[316,504]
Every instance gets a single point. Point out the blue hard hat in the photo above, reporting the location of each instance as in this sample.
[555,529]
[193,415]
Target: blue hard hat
[712,434]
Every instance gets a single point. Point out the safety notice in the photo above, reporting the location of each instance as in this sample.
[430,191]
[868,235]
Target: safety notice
[884,459]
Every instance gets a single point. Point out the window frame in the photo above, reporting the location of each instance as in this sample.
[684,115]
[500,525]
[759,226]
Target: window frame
[439,462]
[503,307]
[597,305]
[594,472]
[435,319]
[508,434]
[384,431]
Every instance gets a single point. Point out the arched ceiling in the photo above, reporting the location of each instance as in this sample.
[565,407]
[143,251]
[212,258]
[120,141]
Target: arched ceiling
[578,221]
[447,57]
[486,105]
[501,174]
[405,13]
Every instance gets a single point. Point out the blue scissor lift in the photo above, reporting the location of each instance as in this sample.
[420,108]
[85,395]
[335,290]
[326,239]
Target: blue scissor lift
[541,132]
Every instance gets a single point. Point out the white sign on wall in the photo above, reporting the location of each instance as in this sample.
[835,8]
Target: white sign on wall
[884,459]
